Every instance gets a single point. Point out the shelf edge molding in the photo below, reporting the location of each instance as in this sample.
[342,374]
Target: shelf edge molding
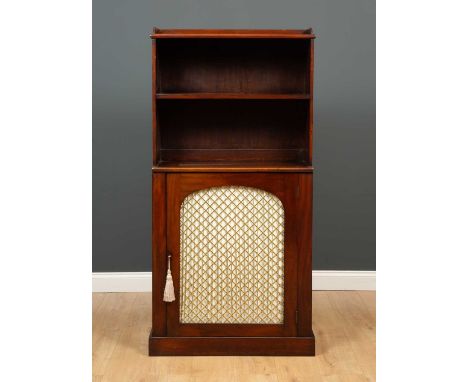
[231,167]
[231,96]
[233,33]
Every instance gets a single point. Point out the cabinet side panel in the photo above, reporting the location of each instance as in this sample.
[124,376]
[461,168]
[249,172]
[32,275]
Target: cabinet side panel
[159,254]
[155,139]
[304,245]
[311,102]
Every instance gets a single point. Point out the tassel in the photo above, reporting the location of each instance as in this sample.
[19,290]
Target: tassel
[169,294]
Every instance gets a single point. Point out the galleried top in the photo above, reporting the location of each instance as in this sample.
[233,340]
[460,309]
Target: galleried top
[233,33]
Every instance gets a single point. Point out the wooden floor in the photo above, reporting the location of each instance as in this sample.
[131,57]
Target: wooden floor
[343,322]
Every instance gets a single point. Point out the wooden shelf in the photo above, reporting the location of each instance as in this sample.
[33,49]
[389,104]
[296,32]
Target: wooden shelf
[230,96]
[233,100]
[232,166]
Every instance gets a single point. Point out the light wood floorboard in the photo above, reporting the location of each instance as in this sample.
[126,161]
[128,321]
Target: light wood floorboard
[343,322]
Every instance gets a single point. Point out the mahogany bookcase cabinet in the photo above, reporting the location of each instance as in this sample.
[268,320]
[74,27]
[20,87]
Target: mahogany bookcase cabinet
[232,192]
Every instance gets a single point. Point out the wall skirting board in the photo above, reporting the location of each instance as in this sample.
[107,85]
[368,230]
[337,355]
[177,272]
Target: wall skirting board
[321,280]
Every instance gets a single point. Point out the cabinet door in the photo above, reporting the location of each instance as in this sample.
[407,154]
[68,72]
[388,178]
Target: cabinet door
[234,245]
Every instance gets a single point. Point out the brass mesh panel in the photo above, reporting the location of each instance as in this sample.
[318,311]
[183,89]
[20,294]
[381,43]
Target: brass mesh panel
[232,257]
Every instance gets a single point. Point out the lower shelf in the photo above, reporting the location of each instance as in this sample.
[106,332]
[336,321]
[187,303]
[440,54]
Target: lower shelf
[225,346]
[232,166]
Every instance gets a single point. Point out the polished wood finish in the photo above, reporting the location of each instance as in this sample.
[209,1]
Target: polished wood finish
[241,158]
[233,166]
[233,66]
[303,220]
[198,346]
[233,107]
[213,130]
[258,89]
[284,187]
[159,247]
[233,33]
[230,96]
[344,322]
[311,101]
[156,140]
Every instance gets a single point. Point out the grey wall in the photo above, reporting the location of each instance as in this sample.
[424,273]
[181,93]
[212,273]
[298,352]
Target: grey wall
[344,200]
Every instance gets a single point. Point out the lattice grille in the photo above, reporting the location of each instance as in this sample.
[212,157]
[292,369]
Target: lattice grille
[232,257]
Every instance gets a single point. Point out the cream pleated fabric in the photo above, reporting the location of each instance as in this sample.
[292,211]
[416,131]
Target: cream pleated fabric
[232,257]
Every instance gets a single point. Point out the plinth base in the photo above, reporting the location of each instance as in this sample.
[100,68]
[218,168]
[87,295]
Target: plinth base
[225,346]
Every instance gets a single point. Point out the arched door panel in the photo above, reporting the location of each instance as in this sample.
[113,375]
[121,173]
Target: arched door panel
[233,243]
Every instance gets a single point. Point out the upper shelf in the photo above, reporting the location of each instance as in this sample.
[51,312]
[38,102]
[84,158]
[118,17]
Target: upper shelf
[234,66]
[233,33]
[202,95]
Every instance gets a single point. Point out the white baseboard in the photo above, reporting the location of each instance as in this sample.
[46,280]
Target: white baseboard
[343,280]
[321,280]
